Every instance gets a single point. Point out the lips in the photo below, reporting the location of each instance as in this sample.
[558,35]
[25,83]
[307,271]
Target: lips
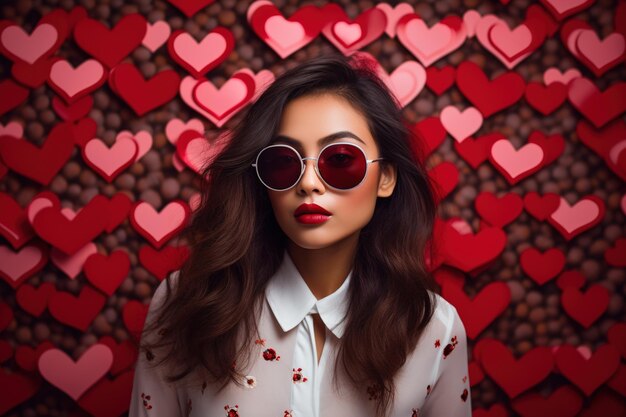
[310,209]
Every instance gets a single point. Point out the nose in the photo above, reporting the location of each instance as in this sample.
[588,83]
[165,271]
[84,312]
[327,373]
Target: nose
[310,181]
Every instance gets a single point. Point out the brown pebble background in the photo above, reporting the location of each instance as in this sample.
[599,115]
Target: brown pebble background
[534,316]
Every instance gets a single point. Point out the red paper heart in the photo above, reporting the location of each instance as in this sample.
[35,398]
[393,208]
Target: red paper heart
[489,96]
[32,75]
[77,312]
[545,98]
[445,177]
[476,151]
[587,374]
[585,307]
[141,95]
[70,235]
[107,272]
[74,111]
[599,107]
[513,375]
[477,313]
[16,389]
[616,255]
[430,134]
[161,262]
[499,211]
[542,267]
[439,80]
[134,316]
[349,35]
[540,207]
[110,46]
[617,337]
[12,95]
[119,207]
[469,251]
[35,300]
[39,164]
[190,7]
[286,35]
[14,225]
[618,380]
[26,357]
[562,402]
[109,397]
[124,354]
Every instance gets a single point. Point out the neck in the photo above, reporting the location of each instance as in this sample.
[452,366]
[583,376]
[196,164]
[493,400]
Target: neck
[325,269]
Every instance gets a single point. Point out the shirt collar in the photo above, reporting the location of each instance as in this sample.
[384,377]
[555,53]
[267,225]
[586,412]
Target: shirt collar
[291,299]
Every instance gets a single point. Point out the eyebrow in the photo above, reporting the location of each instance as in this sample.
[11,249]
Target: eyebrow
[323,141]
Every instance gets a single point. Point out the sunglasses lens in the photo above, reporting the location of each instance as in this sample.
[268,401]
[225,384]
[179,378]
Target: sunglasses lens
[279,167]
[342,166]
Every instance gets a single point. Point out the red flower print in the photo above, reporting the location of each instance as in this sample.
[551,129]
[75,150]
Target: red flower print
[465,379]
[146,401]
[450,347]
[288,413]
[464,395]
[297,376]
[260,342]
[232,412]
[437,343]
[416,412]
[269,354]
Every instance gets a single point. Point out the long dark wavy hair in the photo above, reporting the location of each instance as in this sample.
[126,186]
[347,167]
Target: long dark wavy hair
[236,245]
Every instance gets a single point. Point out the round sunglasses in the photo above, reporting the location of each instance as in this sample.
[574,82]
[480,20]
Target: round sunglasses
[341,165]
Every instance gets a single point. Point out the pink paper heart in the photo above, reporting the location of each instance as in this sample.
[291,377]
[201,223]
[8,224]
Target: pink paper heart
[143,139]
[429,45]
[14,129]
[407,81]
[29,48]
[461,125]
[510,42]
[516,162]
[199,54]
[600,52]
[175,127]
[393,15]
[159,224]
[483,29]
[470,20]
[75,378]
[110,160]
[573,217]
[72,265]
[284,34]
[156,35]
[348,33]
[74,80]
[555,75]
[37,204]
[15,264]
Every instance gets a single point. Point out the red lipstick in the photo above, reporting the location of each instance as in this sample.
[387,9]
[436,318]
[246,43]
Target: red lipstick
[311,214]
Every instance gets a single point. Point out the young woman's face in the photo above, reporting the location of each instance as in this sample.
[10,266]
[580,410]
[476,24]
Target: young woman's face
[306,120]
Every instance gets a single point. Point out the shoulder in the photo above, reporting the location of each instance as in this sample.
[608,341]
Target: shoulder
[161,293]
[445,319]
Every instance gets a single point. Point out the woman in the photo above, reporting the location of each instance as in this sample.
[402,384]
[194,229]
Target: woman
[307,267]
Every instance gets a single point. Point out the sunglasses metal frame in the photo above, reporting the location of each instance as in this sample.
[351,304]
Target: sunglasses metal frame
[302,165]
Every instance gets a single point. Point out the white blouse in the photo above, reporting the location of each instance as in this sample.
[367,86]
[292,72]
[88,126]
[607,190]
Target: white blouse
[292,303]
[433,382]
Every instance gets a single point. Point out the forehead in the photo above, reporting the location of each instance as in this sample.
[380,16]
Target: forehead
[310,118]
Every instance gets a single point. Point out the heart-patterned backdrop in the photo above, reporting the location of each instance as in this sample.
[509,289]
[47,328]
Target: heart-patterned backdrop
[109,109]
